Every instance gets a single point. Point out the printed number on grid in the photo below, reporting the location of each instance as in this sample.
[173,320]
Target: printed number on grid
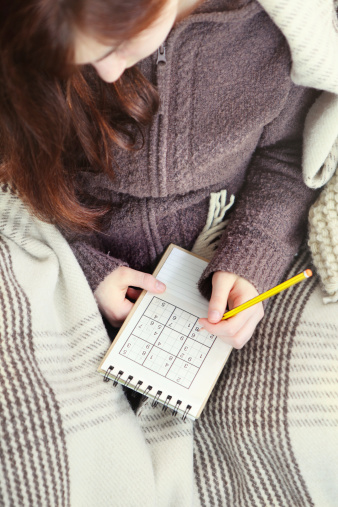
[168,340]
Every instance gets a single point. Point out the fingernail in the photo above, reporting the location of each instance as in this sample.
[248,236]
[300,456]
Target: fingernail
[160,286]
[214,316]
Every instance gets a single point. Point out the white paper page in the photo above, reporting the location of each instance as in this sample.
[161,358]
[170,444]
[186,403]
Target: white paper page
[163,335]
[180,273]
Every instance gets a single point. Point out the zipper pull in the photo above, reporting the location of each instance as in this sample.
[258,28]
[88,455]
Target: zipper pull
[161,55]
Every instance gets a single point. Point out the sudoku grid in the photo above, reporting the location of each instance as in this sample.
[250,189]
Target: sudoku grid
[167,340]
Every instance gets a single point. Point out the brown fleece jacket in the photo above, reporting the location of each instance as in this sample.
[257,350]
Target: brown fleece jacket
[230,118]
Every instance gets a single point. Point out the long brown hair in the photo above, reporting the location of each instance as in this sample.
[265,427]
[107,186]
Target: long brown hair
[55,117]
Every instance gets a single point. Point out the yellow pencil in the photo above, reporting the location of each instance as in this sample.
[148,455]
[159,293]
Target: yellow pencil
[275,290]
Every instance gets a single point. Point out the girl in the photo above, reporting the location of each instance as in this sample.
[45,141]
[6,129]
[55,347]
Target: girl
[124,157]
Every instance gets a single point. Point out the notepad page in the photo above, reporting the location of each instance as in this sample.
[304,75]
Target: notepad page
[181,273]
[161,345]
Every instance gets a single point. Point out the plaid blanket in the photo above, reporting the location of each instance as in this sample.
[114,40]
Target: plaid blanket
[66,437]
[268,435]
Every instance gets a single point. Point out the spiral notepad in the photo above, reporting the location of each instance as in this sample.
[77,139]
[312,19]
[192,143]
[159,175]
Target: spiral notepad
[160,350]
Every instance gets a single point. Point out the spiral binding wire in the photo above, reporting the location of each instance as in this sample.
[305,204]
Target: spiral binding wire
[167,401]
[137,387]
[108,372]
[156,399]
[117,378]
[186,412]
[127,382]
[177,406]
[146,392]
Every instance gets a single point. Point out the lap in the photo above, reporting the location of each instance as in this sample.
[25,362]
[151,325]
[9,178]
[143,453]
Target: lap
[268,434]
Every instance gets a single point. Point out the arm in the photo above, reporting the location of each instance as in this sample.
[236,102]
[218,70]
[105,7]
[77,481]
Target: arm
[95,263]
[267,225]
[111,280]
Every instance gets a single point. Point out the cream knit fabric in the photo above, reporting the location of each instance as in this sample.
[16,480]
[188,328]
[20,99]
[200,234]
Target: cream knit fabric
[323,234]
[319,132]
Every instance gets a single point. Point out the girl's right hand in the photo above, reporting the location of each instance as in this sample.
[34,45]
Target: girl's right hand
[112,291]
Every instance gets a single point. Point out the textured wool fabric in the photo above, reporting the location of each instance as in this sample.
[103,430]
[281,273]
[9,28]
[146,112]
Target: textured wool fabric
[323,236]
[66,437]
[230,118]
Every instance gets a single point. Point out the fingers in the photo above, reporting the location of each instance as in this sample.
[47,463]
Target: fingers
[221,286]
[120,312]
[112,291]
[143,280]
[232,290]
[236,331]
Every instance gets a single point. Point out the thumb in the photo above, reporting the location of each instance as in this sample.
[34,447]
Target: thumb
[222,283]
[147,282]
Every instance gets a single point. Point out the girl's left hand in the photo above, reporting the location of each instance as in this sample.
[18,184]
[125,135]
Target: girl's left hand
[231,290]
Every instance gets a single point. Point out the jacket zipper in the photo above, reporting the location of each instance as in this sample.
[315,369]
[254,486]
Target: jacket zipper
[161,55]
